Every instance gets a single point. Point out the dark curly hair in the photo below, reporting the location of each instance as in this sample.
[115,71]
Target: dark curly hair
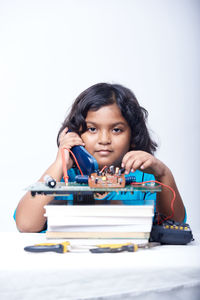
[103,94]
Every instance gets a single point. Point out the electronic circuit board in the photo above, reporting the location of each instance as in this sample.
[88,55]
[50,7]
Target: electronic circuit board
[61,188]
[107,180]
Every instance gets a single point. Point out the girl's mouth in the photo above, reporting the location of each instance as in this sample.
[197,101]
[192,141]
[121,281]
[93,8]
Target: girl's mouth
[103,152]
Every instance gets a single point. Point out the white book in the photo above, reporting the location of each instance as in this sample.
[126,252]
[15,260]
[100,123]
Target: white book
[101,228]
[98,235]
[77,221]
[100,210]
[99,221]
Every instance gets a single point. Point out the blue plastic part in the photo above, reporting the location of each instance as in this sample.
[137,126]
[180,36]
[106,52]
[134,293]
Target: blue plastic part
[81,179]
[87,162]
[130,179]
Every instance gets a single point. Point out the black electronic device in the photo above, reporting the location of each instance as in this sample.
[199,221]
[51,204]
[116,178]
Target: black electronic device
[169,232]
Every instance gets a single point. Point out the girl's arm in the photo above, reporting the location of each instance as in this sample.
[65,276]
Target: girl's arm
[164,198]
[147,163]
[30,210]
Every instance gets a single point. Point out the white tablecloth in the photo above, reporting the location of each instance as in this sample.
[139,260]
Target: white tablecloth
[164,272]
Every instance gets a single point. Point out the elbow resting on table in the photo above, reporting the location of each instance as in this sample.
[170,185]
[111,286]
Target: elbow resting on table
[24,226]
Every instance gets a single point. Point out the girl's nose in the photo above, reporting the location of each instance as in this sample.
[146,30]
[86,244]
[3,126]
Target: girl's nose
[104,137]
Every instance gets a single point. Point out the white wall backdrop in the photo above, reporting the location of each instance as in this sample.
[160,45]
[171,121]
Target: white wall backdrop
[51,50]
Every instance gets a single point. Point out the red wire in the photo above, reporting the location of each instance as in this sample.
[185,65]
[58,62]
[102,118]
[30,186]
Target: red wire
[103,169]
[167,186]
[64,164]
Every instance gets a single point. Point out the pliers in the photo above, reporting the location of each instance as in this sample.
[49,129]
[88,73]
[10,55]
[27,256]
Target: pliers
[116,248]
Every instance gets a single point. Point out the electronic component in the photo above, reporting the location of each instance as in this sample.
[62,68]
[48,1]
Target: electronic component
[107,177]
[49,181]
[170,232]
[106,180]
[62,189]
[83,179]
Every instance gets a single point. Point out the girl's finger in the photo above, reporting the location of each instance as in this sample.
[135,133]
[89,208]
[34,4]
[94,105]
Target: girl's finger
[70,141]
[127,157]
[146,164]
[137,164]
[128,166]
[63,133]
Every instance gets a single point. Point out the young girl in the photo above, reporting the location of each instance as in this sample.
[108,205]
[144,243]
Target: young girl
[109,122]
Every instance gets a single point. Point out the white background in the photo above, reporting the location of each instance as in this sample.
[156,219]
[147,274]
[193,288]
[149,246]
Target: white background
[50,51]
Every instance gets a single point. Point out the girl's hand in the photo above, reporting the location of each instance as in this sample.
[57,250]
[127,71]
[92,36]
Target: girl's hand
[67,140]
[134,160]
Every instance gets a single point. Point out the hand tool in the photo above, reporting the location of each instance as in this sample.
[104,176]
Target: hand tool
[47,247]
[116,248]
[102,248]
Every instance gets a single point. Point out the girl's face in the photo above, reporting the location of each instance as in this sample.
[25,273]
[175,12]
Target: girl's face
[108,135]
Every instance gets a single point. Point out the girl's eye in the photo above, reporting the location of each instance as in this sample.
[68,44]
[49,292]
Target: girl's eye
[92,129]
[117,130]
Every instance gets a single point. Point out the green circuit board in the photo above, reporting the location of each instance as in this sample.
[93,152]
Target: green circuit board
[62,189]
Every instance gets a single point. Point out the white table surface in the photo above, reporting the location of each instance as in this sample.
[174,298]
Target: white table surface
[164,272]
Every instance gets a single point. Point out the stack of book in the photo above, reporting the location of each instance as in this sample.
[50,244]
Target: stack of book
[127,222]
